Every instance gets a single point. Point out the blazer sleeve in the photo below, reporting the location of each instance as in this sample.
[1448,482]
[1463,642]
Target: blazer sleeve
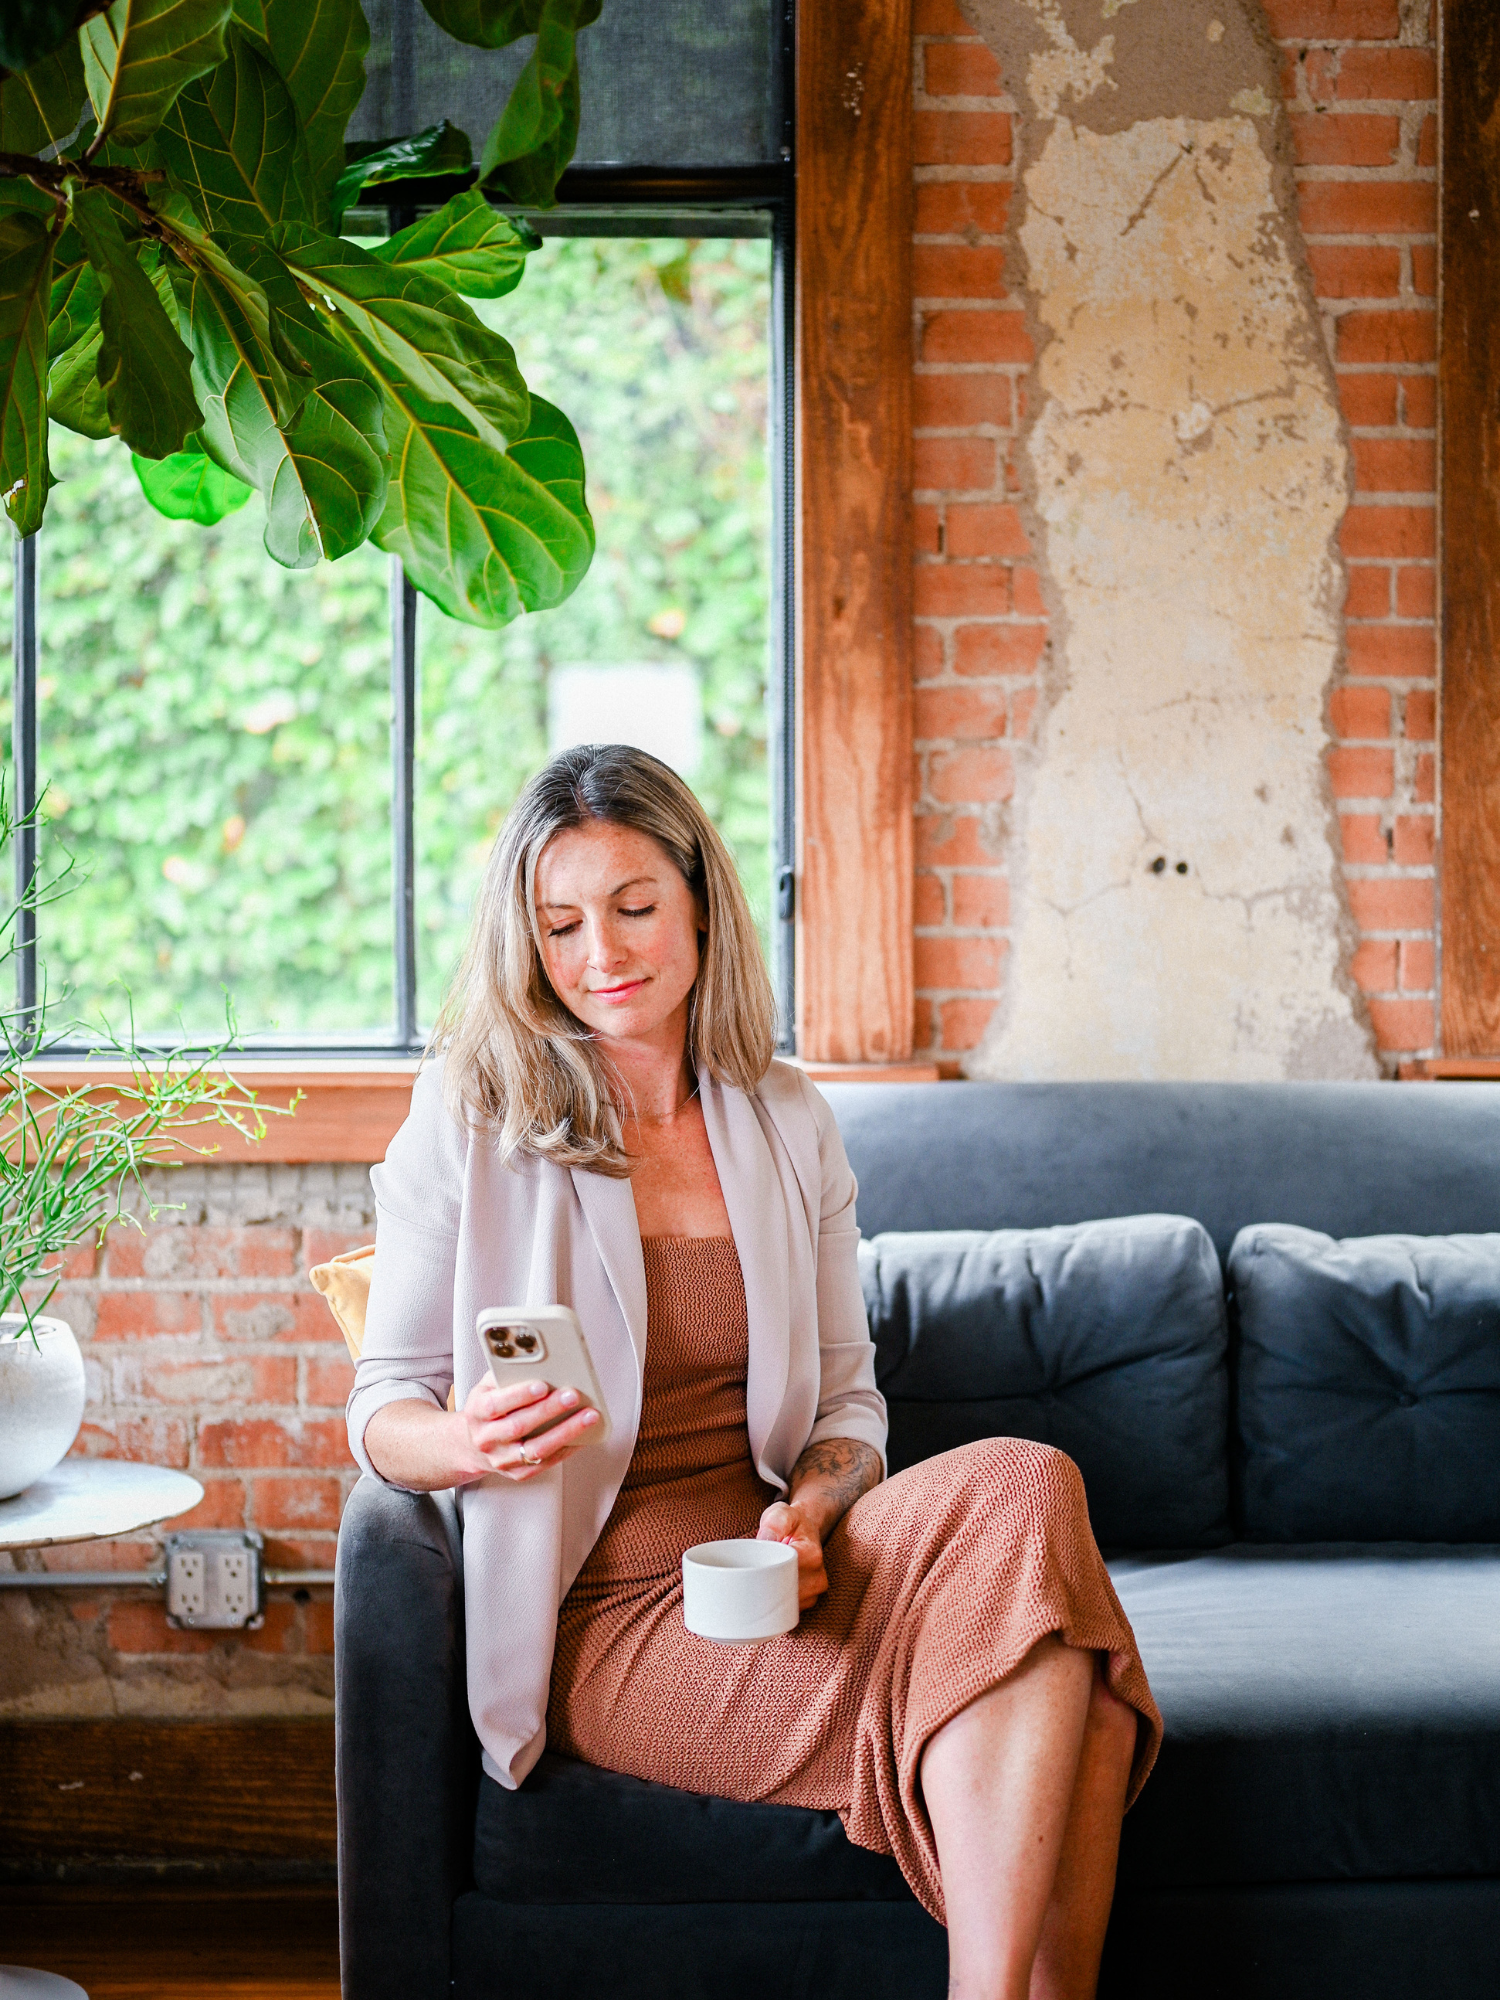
[849,1404]
[408,1350]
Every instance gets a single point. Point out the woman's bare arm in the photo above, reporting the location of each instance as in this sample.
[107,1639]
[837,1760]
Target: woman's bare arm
[829,1477]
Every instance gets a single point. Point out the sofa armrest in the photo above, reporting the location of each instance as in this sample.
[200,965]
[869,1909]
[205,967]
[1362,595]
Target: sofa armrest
[407,1757]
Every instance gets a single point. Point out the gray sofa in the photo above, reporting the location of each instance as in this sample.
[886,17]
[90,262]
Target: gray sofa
[1300,1499]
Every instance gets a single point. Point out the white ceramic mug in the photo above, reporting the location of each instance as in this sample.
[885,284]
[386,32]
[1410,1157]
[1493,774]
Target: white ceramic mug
[737,1592]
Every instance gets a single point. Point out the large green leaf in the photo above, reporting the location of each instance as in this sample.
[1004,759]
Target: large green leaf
[408,327]
[465,244]
[318,47]
[188,486]
[439,151]
[233,143]
[143,365]
[25,295]
[141,53]
[494,24]
[40,107]
[486,534]
[74,395]
[76,295]
[32,29]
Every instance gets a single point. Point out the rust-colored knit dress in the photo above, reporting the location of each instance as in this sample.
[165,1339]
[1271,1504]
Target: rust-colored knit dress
[940,1581]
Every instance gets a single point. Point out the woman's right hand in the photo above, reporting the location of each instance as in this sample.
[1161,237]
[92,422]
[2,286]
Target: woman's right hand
[497,1430]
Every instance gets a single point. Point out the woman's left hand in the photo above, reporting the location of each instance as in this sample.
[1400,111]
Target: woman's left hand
[785,1521]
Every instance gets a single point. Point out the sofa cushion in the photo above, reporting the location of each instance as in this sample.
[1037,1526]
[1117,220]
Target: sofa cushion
[1105,1339]
[574,1834]
[1332,1714]
[1367,1386]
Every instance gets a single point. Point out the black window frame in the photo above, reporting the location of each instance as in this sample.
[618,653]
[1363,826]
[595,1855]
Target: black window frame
[592,201]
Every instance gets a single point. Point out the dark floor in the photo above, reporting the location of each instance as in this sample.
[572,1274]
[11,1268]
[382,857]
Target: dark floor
[159,1943]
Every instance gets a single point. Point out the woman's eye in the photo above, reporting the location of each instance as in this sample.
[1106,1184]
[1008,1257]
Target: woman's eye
[646,910]
[562,930]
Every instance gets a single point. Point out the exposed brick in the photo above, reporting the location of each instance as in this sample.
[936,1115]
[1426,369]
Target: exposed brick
[1419,402]
[1368,208]
[969,713]
[1369,400]
[958,962]
[153,1440]
[1396,903]
[1427,149]
[962,138]
[964,464]
[967,271]
[1022,708]
[927,529]
[929,902]
[312,1551]
[986,528]
[1420,719]
[305,1502]
[143,1628]
[274,1316]
[223,1505]
[1360,772]
[1416,592]
[131,1315]
[1403,652]
[1317,70]
[1424,269]
[281,1629]
[951,840]
[273,1378]
[321,1246]
[923,1021]
[961,590]
[1387,73]
[1363,841]
[939,17]
[328,1383]
[964,777]
[968,69]
[931,658]
[258,1443]
[1334,20]
[1374,337]
[1355,270]
[182,1250]
[985,650]
[1409,532]
[981,902]
[1345,138]
[142,1376]
[1394,465]
[317,1626]
[1414,840]
[1369,591]
[980,334]
[1402,1024]
[964,1022]
[953,402]
[1424,780]
[1361,712]
[1418,965]
[962,208]
[1373,966]
[1027,588]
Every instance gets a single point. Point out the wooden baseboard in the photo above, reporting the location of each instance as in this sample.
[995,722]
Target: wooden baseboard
[255,1790]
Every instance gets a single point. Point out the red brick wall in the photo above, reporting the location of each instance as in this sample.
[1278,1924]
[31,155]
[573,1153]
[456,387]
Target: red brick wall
[206,1349]
[1360,89]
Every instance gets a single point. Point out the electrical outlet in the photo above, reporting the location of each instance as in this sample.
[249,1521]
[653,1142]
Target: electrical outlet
[214,1580]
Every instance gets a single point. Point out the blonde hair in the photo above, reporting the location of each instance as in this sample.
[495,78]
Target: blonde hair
[516,1061]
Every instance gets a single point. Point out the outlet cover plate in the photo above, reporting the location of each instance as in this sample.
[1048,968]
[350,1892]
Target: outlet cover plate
[215,1580]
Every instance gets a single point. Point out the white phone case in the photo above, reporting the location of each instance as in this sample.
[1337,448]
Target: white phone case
[546,1344]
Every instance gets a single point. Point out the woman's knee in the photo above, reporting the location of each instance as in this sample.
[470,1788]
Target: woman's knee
[1111,1720]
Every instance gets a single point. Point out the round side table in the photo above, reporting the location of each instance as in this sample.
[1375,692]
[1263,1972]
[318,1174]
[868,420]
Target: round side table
[84,1500]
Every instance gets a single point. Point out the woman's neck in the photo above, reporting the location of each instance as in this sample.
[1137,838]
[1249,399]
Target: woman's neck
[654,1079]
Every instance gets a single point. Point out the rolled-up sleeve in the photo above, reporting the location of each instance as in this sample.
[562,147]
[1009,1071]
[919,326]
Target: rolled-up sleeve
[849,1404]
[408,1350]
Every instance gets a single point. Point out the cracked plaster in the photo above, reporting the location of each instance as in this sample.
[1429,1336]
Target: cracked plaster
[1180,911]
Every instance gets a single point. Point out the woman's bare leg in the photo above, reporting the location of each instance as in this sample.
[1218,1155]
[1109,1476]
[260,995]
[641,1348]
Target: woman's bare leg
[1067,1960]
[1025,1789]
[998,1781]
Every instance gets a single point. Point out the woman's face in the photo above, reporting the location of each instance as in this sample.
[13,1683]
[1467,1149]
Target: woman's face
[619,929]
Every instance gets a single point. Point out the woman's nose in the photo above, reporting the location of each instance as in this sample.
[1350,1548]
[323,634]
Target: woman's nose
[606,948]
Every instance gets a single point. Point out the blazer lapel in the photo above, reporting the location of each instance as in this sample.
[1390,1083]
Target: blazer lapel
[609,1210]
[757,1209]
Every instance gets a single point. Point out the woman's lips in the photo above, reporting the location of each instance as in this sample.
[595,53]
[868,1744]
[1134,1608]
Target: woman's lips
[617,993]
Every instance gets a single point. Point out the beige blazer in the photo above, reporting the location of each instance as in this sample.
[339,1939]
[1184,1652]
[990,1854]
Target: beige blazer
[458,1232]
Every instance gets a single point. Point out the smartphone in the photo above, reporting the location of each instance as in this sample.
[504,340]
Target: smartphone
[544,1344]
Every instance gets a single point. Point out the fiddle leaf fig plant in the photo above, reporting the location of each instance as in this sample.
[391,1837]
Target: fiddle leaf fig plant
[74,1156]
[173,180]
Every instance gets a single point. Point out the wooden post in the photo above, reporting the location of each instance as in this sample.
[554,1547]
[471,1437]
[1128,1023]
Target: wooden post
[854,435]
[1469,381]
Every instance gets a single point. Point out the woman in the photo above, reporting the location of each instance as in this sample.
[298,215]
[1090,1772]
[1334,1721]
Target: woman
[606,1128]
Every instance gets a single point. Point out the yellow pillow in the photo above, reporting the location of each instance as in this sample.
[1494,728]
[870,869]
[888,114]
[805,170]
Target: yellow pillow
[345,1282]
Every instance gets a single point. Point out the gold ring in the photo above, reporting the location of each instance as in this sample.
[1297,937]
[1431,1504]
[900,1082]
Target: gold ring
[526,1457]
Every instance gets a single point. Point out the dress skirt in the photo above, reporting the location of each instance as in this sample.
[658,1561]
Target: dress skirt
[941,1580]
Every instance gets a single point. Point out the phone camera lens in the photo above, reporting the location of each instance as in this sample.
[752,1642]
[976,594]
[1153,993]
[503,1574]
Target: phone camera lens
[526,1343]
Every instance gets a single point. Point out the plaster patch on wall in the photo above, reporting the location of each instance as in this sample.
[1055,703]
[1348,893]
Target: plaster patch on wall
[1179,909]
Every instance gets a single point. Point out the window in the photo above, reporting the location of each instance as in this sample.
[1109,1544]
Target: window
[255,768]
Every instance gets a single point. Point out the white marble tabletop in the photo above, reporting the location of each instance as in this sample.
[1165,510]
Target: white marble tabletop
[85,1499]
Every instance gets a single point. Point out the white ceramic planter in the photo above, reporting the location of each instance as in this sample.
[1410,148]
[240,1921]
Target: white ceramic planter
[41,1398]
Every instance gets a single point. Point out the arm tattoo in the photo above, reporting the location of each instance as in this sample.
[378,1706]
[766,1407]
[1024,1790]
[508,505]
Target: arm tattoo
[843,1467]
